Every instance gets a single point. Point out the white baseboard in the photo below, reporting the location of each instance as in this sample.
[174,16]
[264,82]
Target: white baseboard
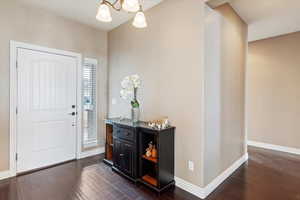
[90,153]
[191,188]
[207,190]
[6,174]
[85,154]
[227,173]
[274,147]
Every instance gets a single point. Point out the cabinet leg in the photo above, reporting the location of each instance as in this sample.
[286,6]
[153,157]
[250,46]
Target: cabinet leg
[158,194]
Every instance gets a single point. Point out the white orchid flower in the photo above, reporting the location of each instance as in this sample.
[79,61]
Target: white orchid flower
[135,77]
[136,81]
[124,94]
[129,84]
[126,82]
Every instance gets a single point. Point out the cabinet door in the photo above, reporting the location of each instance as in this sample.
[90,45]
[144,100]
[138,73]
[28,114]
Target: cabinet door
[127,158]
[117,152]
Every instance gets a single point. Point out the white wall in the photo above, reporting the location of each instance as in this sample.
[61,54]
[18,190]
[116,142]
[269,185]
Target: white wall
[168,55]
[273,93]
[213,37]
[225,64]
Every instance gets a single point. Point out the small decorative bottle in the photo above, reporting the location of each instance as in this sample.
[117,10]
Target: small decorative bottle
[154,152]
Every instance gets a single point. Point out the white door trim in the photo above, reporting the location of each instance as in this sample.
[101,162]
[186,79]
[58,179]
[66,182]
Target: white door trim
[14,45]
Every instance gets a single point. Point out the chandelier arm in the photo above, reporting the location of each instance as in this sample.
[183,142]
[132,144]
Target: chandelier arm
[117,1]
[113,5]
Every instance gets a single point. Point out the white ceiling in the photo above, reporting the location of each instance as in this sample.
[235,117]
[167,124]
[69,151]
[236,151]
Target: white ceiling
[84,11]
[269,18]
[266,18]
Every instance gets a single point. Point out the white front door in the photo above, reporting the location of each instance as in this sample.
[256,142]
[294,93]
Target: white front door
[46,129]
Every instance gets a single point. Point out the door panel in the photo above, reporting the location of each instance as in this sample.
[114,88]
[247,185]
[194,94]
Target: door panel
[127,152]
[46,133]
[117,151]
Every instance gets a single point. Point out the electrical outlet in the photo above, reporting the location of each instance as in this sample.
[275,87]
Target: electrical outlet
[191,165]
[113,101]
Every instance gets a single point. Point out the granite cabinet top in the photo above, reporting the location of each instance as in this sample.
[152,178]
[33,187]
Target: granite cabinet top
[130,123]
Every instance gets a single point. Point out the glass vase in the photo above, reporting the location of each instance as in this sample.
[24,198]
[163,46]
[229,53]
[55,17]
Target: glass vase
[135,114]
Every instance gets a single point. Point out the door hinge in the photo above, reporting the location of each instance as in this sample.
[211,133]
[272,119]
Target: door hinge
[17,110]
[16,157]
[17,64]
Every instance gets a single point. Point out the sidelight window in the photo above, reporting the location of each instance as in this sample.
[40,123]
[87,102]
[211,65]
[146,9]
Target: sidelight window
[89,103]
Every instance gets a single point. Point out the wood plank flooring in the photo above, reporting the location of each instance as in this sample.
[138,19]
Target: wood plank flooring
[268,175]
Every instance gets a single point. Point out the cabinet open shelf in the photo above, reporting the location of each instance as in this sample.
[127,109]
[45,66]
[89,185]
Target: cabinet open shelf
[157,173]
[109,145]
[151,159]
[149,179]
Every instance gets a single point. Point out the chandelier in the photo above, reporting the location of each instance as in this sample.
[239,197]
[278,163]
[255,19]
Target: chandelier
[131,6]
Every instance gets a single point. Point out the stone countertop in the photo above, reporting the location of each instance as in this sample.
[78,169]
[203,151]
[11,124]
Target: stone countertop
[130,123]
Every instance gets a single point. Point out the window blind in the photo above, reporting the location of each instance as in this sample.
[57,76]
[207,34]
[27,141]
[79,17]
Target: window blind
[89,103]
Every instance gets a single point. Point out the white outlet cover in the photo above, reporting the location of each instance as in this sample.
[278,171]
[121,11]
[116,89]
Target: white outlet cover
[191,165]
[113,101]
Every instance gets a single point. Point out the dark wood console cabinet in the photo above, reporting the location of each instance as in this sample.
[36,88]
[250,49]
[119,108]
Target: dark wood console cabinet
[126,143]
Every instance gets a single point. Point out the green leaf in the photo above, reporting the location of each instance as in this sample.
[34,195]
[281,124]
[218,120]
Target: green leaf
[135,103]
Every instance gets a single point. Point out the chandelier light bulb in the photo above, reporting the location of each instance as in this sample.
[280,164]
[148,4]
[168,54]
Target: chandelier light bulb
[131,5]
[104,13]
[140,20]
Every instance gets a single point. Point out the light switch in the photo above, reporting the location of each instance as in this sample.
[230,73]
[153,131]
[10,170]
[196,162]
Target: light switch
[191,165]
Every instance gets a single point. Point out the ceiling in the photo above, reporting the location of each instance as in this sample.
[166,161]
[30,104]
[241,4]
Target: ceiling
[266,18]
[84,11]
[269,18]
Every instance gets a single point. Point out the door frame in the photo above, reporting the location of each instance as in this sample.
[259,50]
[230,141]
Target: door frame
[14,45]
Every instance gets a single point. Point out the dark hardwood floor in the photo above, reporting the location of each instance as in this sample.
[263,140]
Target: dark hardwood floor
[268,175]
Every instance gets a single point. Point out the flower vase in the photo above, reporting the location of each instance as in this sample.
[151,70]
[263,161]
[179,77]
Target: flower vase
[135,114]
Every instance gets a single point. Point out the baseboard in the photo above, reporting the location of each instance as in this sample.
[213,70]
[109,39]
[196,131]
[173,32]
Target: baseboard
[191,188]
[227,173]
[207,190]
[274,147]
[5,174]
[90,153]
[85,154]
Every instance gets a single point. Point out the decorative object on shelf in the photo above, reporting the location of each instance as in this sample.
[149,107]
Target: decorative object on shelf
[149,150]
[159,124]
[130,85]
[131,6]
[154,152]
